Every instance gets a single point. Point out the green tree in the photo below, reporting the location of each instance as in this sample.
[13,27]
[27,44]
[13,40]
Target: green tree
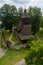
[20,11]
[41,22]
[14,14]
[35,55]
[35,15]
[8,14]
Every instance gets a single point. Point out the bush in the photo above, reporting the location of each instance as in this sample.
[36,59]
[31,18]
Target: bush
[35,56]
[32,38]
[32,42]
[40,33]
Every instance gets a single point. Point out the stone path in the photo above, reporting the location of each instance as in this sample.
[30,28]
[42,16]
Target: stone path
[2,52]
[22,62]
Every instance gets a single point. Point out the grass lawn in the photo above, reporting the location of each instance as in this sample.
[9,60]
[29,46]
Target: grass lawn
[7,35]
[0,39]
[1,46]
[13,56]
[14,38]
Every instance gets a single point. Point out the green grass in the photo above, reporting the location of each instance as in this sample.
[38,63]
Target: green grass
[1,46]
[13,56]
[7,34]
[0,39]
[18,43]
[14,38]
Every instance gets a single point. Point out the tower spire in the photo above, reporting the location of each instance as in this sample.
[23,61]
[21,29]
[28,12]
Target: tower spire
[25,9]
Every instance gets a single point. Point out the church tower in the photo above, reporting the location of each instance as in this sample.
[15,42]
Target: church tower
[23,29]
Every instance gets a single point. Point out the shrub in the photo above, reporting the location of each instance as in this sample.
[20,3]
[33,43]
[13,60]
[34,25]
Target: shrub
[40,33]
[32,42]
[35,43]
[32,38]
[35,56]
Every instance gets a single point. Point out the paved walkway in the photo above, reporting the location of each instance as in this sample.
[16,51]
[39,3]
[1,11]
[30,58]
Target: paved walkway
[22,62]
[2,52]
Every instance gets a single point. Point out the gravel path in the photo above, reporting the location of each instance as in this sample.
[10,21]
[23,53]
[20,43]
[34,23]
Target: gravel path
[22,62]
[2,52]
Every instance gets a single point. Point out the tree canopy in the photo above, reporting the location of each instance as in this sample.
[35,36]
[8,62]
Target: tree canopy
[35,15]
[41,22]
[20,11]
[10,16]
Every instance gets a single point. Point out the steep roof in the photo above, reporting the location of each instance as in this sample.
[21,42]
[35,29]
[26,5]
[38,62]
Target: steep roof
[25,14]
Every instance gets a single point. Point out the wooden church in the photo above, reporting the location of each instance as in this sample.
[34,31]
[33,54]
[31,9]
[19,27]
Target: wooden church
[23,29]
